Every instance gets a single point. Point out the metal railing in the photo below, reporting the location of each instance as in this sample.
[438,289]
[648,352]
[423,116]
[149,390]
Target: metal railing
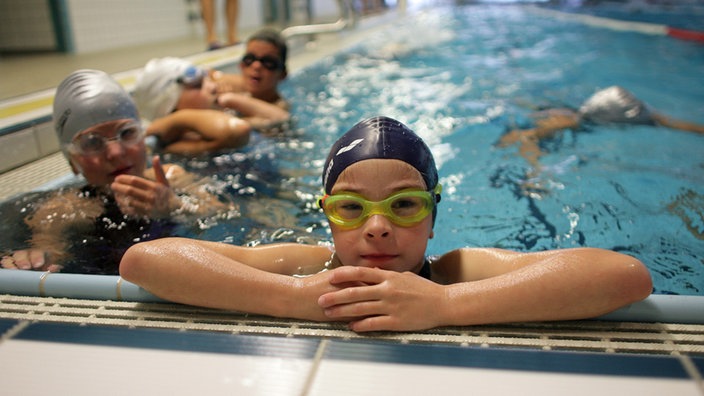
[346,19]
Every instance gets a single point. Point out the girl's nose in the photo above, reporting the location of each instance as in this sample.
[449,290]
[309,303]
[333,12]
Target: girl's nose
[114,149]
[377,226]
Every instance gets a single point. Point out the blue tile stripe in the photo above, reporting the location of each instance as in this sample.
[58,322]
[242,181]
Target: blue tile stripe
[7,324]
[699,364]
[173,340]
[504,359]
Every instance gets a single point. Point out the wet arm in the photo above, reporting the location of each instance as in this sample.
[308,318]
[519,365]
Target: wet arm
[48,224]
[678,124]
[496,286]
[227,82]
[210,274]
[194,131]
[258,113]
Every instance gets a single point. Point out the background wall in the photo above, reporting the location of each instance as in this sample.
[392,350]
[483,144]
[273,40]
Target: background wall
[25,25]
[95,25]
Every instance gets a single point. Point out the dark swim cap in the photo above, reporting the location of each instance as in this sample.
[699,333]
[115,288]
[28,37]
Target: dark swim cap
[379,138]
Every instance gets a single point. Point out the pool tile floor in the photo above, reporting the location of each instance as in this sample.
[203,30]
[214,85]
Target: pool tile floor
[58,358]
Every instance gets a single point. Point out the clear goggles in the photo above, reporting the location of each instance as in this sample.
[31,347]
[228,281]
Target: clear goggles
[192,77]
[93,143]
[404,208]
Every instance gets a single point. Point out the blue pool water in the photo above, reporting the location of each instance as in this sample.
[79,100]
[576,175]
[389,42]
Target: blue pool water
[462,77]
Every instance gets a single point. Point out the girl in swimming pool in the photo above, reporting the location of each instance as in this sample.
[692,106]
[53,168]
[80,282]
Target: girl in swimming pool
[100,134]
[381,191]
[613,105]
[193,110]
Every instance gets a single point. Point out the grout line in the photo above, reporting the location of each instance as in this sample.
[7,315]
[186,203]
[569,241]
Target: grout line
[691,369]
[14,330]
[314,369]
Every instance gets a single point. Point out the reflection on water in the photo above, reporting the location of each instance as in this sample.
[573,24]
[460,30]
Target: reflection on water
[689,206]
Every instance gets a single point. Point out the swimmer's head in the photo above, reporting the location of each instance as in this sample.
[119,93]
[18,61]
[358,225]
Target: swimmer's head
[86,98]
[379,138]
[272,37]
[160,84]
[616,105]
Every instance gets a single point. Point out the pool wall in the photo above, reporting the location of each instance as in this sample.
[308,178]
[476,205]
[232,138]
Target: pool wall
[655,308]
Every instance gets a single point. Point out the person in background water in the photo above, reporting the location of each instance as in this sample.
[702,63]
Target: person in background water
[100,134]
[193,110]
[381,194]
[207,10]
[612,105]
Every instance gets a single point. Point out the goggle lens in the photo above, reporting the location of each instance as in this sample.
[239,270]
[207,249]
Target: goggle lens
[94,143]
[269,62]
[404,208]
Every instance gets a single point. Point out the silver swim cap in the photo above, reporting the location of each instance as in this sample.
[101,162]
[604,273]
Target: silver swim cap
[615,105]
[157,89]
[86,98]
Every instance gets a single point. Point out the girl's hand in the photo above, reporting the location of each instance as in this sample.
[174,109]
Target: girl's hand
[384,300]
[29,259]
[309,289]
[138,196]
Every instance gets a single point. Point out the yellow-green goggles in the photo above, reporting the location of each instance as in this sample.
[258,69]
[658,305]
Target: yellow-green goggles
[404,208]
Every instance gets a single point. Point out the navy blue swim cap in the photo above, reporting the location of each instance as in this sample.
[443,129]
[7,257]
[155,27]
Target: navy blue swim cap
[379,138]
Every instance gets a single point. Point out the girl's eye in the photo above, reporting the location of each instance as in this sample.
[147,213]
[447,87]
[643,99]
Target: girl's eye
[92,142]
[349,209]
[129,134]
[406,206]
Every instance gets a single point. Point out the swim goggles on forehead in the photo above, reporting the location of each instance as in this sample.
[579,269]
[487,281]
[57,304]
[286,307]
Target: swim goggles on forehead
[269,62]
[404,208]
[93,143]
[192,77]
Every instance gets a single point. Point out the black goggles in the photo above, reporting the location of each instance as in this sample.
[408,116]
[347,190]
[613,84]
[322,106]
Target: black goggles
[269,62]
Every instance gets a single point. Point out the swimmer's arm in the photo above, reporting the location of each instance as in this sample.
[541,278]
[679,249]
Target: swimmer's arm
[196,131]
[678,124]
[498,286]
[227,82]
[48,225]
[258,113]
[214,275]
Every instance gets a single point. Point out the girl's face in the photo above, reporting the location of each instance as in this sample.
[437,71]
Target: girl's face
[378,242]
[102,160]
[260,79]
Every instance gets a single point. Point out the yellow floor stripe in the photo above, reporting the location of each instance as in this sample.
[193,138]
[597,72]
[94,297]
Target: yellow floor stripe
[20,108]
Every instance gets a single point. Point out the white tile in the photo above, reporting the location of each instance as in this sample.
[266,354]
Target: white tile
[46,139]
[34,368]
[355,378]
[17,148]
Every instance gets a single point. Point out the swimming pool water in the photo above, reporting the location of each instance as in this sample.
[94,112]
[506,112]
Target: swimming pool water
[462,77]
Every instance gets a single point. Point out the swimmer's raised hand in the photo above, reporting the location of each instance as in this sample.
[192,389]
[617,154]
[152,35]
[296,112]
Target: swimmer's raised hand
[139,196]
[389,300]
[159,173]
[29,259]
